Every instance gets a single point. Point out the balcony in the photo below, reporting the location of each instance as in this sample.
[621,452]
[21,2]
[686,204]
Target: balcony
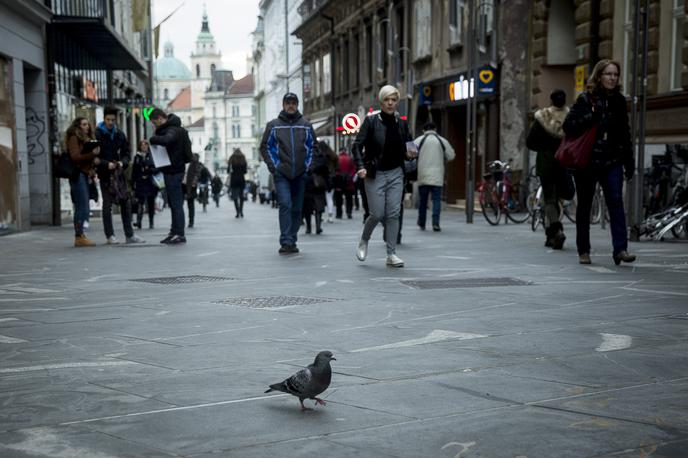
[308,7]
[90,24]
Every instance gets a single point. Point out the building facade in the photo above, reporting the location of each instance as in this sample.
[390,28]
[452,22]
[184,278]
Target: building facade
[60,59]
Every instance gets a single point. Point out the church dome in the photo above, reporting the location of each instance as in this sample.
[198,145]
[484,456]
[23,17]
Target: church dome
[171,68]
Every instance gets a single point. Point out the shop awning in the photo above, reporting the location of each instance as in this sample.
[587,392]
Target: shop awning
[99,39]
[323,126]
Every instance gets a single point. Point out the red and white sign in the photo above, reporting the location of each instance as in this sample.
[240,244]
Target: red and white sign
[351,123]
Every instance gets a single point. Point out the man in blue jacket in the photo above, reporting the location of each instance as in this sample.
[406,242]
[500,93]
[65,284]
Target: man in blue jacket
[113,161]
[287,148]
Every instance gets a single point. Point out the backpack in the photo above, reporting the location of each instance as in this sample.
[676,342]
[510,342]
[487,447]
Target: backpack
[411,166]
[186,146]
[444,148]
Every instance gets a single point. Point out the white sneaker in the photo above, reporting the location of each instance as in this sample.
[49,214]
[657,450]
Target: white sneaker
[362,250]
[86,225]
[329,218]
[394,261]
[135,239]
[112,240]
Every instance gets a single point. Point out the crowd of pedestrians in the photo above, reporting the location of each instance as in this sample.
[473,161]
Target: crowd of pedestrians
[308,181]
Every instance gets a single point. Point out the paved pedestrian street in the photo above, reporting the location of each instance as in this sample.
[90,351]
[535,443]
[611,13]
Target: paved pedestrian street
[486,344]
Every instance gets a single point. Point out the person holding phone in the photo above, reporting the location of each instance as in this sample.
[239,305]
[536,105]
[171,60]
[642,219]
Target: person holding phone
[379,153]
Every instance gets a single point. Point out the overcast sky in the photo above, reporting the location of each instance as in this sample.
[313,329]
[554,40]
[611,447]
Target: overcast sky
[231,22]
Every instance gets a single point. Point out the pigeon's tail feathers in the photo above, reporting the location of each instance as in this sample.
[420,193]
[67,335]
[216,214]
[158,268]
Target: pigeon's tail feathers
[278,387]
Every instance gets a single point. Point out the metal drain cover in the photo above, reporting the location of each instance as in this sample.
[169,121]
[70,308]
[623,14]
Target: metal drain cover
[466,283]
[184,279]
[263,302]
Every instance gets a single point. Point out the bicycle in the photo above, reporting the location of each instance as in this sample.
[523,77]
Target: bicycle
[497,195]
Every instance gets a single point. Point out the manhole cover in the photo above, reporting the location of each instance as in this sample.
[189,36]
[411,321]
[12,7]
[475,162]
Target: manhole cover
[181,279]
[262,302]
[465,283]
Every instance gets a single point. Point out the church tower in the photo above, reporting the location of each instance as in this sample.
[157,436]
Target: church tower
[204,61]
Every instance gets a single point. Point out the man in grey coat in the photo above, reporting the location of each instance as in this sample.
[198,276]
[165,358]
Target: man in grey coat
[433,152]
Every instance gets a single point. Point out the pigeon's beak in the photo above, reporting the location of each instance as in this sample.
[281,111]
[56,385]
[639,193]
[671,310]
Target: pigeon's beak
[333,359]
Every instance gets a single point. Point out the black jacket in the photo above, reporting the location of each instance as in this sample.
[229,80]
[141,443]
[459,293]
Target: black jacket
[114,147]
[608,110]
[237,176]
[288,145]
[370,142]
[141,174]
[169,135]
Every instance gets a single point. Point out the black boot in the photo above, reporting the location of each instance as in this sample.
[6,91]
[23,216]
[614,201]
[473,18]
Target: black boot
[555,236]
[318,223]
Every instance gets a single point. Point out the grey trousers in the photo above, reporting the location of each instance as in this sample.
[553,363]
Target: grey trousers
[384,194]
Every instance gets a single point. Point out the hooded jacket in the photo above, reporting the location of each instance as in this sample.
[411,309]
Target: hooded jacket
[169,135]
[288,145]
[431,158]
[544,137]
[114,147]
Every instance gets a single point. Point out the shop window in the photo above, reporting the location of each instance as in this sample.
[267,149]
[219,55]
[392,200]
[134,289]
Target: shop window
[677,42]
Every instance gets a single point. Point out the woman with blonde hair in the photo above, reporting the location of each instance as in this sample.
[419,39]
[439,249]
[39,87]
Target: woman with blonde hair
[379,153]
[79,133]
[603,105]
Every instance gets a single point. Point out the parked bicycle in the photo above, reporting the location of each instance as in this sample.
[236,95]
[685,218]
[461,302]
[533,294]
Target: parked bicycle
[498,195]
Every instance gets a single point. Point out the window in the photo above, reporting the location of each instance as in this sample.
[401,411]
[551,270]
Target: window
[627,78]
[238,131]
[485,24]
[214,111]
[423,29]
[369,53]
[198,71]
[212,68]
[677,29]
[235,110]
[383,47]
[327,83]
[216,131]
[457,14]
[356,66]
[346,67]
[316,77]
[167,94]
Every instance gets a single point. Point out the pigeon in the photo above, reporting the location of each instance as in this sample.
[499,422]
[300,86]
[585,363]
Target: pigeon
[309,382]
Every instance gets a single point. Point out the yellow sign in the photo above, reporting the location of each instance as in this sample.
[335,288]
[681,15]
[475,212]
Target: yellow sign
[580,79]
[486,76]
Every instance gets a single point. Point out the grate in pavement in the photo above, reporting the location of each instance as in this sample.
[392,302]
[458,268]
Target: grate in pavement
[466,283]
[262,302]
[179,280]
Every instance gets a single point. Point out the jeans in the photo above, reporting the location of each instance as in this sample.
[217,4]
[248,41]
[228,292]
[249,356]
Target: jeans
[339,197]
[611,180]
[79,192]
[290,198]
[125,212]
[191,207]
[423,192]
[384,193]
[175,198]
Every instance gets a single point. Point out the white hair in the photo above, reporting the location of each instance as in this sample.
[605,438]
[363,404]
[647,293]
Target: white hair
[387,91]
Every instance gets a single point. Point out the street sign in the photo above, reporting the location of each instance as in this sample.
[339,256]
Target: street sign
[351,123]
[580,78]
[487,83]
[426,95]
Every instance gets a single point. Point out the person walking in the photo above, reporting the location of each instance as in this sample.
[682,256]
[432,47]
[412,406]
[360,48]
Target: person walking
[379,153]
[79,133]
[169,133]
[433,152]
[145,190]
[314,201]
[237,168]
[287,147]
[113,161]
[204,187]
[544,137]
[216,188]
[604,105]
[344,185]
[332,164]
[263,176]
[193,175]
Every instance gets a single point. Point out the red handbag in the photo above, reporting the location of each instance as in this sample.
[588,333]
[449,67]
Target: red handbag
[574,153]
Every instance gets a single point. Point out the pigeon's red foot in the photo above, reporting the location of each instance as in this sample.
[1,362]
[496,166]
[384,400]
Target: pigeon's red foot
[320,401]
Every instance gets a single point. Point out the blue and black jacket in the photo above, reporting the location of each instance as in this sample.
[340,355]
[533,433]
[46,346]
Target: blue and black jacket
[288,145]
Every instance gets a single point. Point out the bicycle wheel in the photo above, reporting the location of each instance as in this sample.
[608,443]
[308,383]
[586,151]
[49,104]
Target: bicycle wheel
[532,203]
[489,203]
[536,220]
[516,208]
[570,209]
[680,231]
[595,209]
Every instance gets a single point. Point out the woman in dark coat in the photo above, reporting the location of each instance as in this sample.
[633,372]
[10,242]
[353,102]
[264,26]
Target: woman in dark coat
[379,151]
[602,104]
[314,199]
[145,189]
[237,168]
